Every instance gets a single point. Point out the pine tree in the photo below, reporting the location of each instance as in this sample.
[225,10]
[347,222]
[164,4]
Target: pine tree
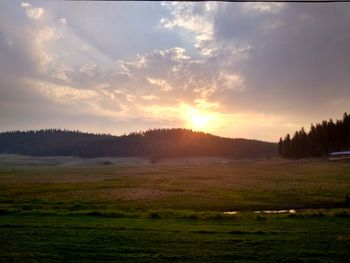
[322,139]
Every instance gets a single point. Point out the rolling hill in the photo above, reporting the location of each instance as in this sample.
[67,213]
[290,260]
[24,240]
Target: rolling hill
[157,143]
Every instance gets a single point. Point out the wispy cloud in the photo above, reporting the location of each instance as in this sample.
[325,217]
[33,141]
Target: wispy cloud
[36,13]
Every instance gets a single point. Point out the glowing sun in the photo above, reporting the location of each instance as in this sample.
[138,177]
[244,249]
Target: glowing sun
[199,120]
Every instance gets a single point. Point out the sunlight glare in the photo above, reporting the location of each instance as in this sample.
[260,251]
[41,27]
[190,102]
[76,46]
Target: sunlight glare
[199,120]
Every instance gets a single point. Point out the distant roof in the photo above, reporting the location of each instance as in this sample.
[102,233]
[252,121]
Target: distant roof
[340,153]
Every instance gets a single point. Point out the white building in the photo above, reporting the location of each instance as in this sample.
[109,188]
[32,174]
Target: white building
[335,156]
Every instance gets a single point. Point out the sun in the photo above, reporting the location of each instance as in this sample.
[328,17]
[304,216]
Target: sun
[199,120]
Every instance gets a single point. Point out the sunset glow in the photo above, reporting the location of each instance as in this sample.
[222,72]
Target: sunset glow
[120,67]
[200,120]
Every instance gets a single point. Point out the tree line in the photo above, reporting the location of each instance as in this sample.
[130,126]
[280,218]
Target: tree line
[156,143]
[322,139]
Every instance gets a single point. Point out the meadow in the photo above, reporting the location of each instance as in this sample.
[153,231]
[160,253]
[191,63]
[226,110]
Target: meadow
[96,210]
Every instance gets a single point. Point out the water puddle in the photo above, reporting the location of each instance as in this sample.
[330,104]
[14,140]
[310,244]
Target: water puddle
[231,213]
[285,211]
[290,211]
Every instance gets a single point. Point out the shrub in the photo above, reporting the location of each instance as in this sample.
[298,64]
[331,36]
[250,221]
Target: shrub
[154,214]
[3,212]
[260,218]
[342,214]
[347,200]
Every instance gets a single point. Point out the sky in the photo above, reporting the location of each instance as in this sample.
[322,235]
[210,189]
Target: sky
[248,70]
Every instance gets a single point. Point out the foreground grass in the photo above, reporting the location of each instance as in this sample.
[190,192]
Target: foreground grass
[167,213]
[249,239]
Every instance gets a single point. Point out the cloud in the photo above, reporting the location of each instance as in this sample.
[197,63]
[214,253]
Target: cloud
[35,13]
[150,97]
[288,58]
[163,84]
[281,53]
[63,94]
[193,18]
[63,21]
[173,76]
[278,65]
[25,5]
[42,36]
[264,7]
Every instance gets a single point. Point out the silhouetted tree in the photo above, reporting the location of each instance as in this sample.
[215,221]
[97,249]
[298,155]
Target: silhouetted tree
[322,139]
[157,143]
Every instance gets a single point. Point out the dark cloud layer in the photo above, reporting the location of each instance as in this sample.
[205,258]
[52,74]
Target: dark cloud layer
[298,57]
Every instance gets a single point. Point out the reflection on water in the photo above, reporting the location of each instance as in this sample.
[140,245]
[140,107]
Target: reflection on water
[230,213]
[291,211]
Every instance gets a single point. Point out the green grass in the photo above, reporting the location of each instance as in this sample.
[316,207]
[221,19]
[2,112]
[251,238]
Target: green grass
[174,213]
[94,239]
[207,187]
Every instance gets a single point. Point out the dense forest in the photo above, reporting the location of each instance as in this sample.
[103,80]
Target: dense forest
[322,139]
[157,143]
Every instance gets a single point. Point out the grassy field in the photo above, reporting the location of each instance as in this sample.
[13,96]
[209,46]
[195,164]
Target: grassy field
[174,211]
